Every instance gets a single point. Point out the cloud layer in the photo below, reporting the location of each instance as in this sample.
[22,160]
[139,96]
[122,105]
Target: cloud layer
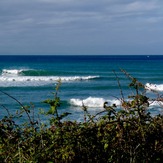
[81,27]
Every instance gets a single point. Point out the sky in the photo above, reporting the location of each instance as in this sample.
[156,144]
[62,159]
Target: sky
[81,27]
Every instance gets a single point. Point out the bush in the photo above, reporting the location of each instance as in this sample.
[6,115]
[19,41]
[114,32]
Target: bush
[128,135]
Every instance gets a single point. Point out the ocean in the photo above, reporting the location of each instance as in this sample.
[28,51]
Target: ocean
[89,80]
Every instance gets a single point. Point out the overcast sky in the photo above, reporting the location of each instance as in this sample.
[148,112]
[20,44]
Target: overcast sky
[81,27]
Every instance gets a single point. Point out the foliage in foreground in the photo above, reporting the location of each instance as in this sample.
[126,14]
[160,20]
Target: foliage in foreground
[129,135]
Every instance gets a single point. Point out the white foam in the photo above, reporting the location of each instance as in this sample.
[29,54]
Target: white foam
[154,87]
[156,103]
[97,102]
[93,102]
[38,80]
[11,72]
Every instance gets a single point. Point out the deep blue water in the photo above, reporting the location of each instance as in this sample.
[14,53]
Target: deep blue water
[90,79]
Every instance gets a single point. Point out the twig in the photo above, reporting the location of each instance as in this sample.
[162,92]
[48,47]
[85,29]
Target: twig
[19,104]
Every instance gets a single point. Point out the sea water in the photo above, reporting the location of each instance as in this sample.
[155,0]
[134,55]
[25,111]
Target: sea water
[85,80]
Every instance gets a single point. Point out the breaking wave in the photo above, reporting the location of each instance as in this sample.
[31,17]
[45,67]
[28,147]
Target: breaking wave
[93,102]
[154,87]
[24,72]
[97,102]
[15,77]
[12,72]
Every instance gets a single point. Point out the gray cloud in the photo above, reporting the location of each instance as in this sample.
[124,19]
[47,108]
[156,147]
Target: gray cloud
[81,27]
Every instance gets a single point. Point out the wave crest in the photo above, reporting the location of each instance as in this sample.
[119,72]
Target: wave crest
[154,87]
[39,80]
[93,102]
[97,102]
[11,72]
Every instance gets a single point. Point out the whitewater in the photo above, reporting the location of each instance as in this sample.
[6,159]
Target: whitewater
[10,78]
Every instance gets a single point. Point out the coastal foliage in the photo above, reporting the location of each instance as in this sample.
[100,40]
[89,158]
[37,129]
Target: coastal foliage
[129,134]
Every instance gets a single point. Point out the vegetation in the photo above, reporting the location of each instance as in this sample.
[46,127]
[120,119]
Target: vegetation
[131,134]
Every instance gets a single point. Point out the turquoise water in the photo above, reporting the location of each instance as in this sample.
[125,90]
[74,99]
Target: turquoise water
[87,79]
